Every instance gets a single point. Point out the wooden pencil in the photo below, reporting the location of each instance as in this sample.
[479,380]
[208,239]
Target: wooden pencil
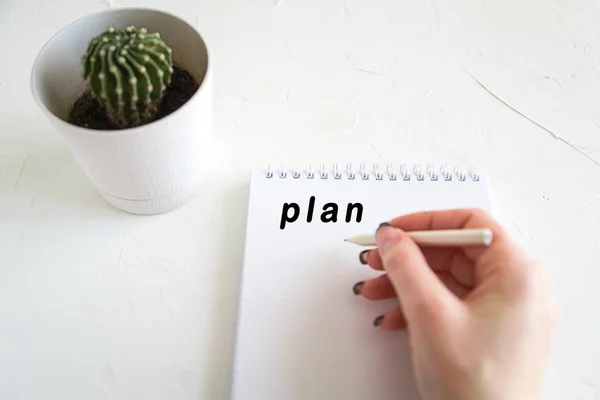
[435,238]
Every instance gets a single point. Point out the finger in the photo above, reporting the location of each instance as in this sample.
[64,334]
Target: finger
[462,269]
[372,258]
[443,219]
[381,288]
[452,260]
[438,259]
[453,285]
[391,321]
[423,294]
[366,257]
[453,219]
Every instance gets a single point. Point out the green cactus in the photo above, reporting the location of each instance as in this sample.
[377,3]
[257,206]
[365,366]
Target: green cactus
[128,72]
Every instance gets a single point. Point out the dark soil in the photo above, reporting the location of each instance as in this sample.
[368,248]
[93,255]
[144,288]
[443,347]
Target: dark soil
[88,113]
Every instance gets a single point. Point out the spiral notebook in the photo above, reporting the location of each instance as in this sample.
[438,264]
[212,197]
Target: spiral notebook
[301,332]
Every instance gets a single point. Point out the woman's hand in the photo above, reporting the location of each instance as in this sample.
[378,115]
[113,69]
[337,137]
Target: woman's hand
[480,319]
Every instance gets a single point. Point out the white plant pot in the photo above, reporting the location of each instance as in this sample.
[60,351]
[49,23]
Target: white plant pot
[147,169]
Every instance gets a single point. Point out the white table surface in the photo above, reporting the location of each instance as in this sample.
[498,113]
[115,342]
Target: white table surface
[98,304]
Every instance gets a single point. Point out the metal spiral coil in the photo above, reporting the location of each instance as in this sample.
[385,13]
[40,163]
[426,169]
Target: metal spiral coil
[402,172]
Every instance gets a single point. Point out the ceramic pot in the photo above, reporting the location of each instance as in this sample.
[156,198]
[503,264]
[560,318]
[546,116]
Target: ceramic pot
[149,169]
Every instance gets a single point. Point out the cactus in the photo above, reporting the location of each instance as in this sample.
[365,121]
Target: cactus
[128,72]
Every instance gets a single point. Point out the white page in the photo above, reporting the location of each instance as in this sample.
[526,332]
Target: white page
[302,333]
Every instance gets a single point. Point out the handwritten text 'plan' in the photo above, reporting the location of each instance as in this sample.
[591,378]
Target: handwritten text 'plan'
[291,212]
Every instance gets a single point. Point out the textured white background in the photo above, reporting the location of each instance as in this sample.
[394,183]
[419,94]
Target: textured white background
[96,304]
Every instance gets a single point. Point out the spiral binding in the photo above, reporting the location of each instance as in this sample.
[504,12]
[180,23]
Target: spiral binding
[402,172]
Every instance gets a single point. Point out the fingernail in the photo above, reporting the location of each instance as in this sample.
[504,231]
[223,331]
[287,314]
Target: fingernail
[382,225]
[378,320]
[385,236]
[357,286]
[363,257]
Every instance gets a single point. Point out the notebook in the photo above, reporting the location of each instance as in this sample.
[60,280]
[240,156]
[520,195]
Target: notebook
[301,332]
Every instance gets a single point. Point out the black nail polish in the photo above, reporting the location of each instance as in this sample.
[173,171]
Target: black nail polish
[383,224]
[363,257]
[378,320]
[357,286]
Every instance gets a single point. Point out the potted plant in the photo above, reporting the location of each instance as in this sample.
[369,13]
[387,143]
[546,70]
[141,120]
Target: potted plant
[130,90]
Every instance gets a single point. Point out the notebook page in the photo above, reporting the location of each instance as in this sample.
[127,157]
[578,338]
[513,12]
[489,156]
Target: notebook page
[302,333]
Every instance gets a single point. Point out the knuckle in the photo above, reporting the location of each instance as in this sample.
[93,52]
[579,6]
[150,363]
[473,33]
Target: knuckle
[482,218]
[532,289]
[480,213]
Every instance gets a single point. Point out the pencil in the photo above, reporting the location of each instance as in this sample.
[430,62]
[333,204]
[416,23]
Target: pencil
[441,238]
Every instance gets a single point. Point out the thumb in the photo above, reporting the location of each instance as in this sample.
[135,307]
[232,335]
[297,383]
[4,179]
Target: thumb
[420,291]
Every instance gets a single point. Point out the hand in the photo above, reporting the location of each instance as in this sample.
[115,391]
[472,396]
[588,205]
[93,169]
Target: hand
[479,319]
